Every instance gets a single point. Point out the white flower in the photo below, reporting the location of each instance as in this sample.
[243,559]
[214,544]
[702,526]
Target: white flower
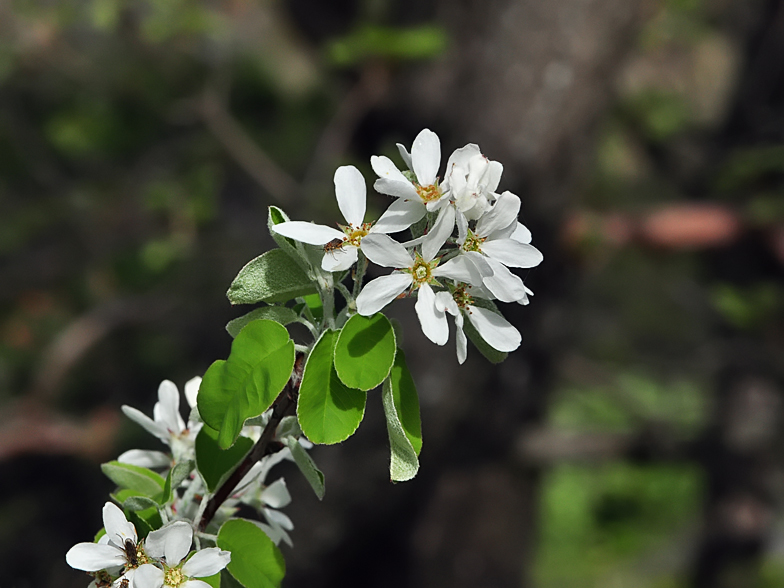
[497,243]
[472,180]
[117,549]
[167,424]
[340,247]
[493,328]
[417,272]
[170,545]
[414,198]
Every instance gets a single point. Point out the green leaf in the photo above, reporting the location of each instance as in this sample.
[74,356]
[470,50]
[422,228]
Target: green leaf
[255,560]
[365,351]
[247,383]
[313,302]
[145,520]
[406,400]
[328,410]
[216,464]
[306,465]
[142,480]
[403,462]
[273,276]
[214,580]
[136,503]
[279,314]
[372,41]
[174,478]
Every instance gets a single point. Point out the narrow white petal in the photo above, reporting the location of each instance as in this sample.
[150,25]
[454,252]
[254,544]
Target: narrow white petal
[433,321]
[405,155]
[167,410]
[148,576]
[279,518]
[117,526]
[339,260]
[351,193]
[381,291]
[461,343]
[398,188]
[513,253]
[462,227]
[308,232]
[172,542]
[195,584]
[494,329]
[460,269]
[445,303]
[206,562]
[192,390]
[145,458]
[276,494]
[493,176]
[503,213]
[91,557]
[385,251]
[503,284]
[149,425]
[426,157]
[400,215]
[521,234]
[384,168]
[442,229]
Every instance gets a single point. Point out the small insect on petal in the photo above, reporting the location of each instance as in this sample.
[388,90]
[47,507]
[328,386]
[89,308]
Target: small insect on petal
[334,245]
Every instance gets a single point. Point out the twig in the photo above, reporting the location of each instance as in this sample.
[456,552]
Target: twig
[286,401]
[256,163]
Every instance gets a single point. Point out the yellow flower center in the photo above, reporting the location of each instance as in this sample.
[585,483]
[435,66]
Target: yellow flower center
[354,234]
[473,243]
[173,577]
[428,193]
[462,298]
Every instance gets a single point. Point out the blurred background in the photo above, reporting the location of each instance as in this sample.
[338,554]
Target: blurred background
[634,440]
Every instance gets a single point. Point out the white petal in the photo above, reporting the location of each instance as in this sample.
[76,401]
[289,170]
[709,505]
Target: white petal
[426,157]
[276,494]
[339,260]
[521,234]
[381,291]
[167,410]
[446,303]
[206,562]
[172,542]
[433,321]
[117,526]
[91,557]
[503,284]
[493,176]
[384,168]
[404,154]
[460,158]
[461,269]
[192,390]
[149,425]
[494,329]
[398,188]
[442,229]
[351,193]
[148,576]
[400,215]
[279,519]
[461,343]
[195,584]
[462,227]
[385,251]
[145,458]
[503,213]
[513,253]
[308,232]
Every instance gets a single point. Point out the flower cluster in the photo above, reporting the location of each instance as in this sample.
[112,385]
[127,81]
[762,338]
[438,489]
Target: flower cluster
[466,237]
[121,559]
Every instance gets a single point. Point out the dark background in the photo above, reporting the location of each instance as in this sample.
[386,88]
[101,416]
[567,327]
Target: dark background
[634,440]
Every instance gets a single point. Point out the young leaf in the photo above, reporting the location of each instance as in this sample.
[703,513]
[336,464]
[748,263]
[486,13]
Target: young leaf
[365,351]
[256,562]
[136,503]
[173,480]
[216,464]
[279,314]
[144,520]
[306,465]
[145,482]
[247,383]
[403,462]
[328,410]
[273,276]
[406,400]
